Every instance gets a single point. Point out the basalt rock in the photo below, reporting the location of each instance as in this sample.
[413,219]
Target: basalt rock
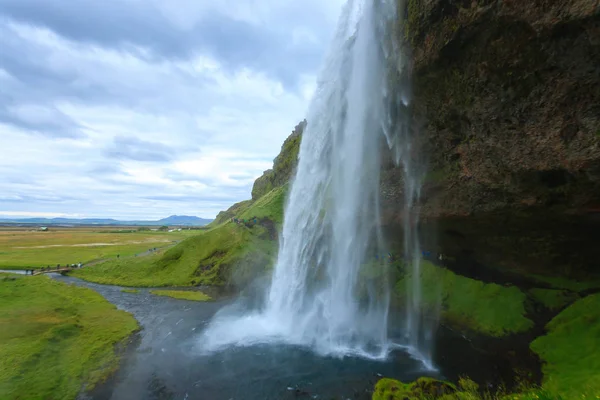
[506,109]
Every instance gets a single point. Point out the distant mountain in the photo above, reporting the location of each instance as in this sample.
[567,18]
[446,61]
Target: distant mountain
[178,220]
[184,220]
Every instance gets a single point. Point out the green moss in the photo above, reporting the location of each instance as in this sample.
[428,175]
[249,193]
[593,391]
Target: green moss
[568,284]
[182,294]
[56,339]
[431,389]
[570,350]
[132,291]
[553,299]
[423,388]
[470,304]
[411,28]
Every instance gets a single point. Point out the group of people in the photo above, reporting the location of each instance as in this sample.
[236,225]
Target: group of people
[244,221]
[49,268]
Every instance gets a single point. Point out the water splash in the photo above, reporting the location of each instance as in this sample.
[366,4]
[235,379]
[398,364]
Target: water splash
[317,297]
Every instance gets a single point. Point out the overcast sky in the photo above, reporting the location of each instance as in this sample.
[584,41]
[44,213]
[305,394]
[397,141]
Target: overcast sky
[147,108]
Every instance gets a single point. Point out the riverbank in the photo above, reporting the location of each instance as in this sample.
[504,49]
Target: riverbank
[57,339]
[169,360]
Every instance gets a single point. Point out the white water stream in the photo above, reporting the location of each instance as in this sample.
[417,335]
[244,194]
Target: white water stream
[318,297]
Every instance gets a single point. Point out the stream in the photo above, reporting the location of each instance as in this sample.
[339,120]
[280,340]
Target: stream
[164,361]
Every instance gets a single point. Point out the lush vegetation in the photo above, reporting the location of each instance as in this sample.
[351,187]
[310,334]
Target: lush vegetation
[55,339]
[571,364]
[552,298]
[182,294]
[432,389]
[470,304]
[568,284]
[571,350]
[21,249]
[227,254]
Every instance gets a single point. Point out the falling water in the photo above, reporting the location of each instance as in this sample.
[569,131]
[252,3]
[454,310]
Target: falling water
[318,297]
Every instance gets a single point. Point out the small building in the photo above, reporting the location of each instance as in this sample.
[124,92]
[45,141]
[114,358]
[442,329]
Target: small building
[43,228]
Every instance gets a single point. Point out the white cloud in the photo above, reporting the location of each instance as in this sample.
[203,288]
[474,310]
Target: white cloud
[97,124]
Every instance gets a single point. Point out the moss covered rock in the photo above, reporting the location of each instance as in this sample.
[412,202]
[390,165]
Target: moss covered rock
[284,165]
[469,304]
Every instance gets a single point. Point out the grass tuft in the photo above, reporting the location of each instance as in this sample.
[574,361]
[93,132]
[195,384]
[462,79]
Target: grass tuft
[182,294]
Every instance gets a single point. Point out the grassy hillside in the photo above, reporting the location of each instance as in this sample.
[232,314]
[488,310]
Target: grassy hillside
[228,254]
[55,339]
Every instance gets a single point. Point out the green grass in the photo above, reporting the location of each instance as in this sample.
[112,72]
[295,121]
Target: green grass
[182,294]
[226,254]
[422,388]
[271,206]
[56,339]
[132,291]
[571,350]
[552,298]
[26,249]
[470,304]
[432,389]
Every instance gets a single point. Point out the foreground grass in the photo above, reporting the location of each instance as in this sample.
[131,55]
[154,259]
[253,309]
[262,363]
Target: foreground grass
[571,364]
[470,304]
[226,254]
[571,350]
[55,339]
[182,294]
[432,389]
[26,249]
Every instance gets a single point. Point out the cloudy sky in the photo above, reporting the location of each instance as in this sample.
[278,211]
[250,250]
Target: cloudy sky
[147,108]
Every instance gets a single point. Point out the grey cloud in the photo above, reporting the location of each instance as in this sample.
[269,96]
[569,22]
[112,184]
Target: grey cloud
[106,169]
[132,148]
[36,199]
[44,120]
[128,25]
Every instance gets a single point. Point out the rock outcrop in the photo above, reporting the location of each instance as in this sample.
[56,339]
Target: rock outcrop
[507,108]
[284,165]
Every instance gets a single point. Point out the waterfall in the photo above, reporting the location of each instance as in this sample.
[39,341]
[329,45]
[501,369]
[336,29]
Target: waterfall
[317,296]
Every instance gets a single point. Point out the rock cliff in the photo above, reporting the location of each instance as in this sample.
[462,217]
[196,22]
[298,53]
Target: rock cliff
[506,110]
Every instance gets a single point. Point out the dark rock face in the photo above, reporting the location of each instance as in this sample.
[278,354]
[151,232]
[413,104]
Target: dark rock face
[507,108]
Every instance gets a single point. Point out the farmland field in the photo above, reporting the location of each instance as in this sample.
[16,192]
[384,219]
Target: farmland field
[23,247]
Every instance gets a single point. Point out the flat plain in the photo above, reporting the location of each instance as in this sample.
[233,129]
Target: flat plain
[28,247]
